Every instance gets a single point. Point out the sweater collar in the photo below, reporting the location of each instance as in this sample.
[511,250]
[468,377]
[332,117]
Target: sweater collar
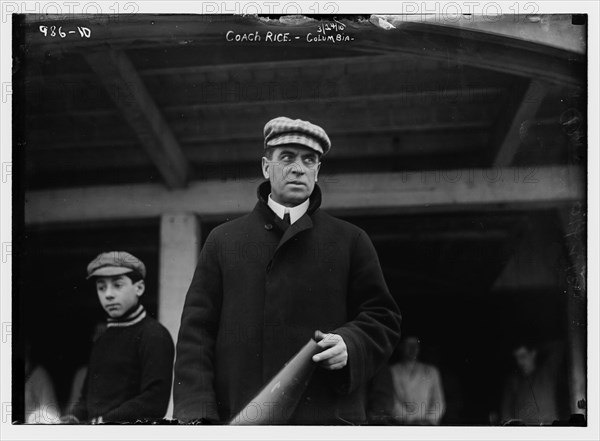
[135,316]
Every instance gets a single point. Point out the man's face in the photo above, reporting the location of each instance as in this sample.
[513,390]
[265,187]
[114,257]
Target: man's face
[118,294]
[525,359]
[292,171]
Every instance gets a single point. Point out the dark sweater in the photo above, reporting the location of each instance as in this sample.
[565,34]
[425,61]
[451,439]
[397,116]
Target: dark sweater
[130,372]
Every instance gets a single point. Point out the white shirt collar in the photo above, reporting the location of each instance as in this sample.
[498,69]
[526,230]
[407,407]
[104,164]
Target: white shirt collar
[295,212]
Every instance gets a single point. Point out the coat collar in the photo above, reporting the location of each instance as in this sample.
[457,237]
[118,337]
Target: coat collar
[304,223]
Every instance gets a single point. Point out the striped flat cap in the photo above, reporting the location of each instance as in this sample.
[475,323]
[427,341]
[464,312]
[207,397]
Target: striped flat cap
[115,263]
[283,130]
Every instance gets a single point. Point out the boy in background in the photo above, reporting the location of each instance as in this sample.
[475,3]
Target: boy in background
[130,369]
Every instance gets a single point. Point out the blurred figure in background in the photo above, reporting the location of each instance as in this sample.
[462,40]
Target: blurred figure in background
[418,393]
[407,392]
[41,406]
[535,393]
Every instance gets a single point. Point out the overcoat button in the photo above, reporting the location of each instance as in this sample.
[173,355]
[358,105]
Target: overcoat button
[268,227]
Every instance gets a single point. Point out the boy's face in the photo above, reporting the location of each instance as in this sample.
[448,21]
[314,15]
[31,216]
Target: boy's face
[118,294]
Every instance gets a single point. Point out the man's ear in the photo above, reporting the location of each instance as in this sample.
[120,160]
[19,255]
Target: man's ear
[265,167]
[140,287]
[317,171]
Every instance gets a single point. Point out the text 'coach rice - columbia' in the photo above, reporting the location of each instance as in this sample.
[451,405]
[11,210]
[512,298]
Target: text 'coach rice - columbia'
[244,317]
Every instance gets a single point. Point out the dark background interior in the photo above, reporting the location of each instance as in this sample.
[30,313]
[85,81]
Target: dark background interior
[440,268]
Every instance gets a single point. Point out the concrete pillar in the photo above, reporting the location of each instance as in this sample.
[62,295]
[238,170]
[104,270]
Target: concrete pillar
[179,247]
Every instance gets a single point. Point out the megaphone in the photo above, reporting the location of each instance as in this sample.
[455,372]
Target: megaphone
[276,401]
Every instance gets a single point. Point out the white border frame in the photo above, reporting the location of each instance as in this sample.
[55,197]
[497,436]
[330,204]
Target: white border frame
[23,432]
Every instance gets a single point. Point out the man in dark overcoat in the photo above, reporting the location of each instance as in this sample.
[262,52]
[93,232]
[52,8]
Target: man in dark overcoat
[267,282]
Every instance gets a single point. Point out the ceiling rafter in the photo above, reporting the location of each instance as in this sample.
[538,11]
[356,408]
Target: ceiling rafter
[120,79]
[523,104]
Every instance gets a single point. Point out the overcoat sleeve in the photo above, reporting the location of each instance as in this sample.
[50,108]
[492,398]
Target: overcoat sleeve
[374,328]
[193,389]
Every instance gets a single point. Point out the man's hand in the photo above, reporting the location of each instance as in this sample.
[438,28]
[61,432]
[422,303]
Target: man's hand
[335,352]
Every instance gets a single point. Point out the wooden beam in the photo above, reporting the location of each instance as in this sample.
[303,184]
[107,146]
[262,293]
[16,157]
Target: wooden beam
[362,118]
[401,110]
[249,128]
[353,145]
[400,144]
[523,104]
[409,71]
[127,90]
[107,155]
[507,188]
[408,96]
[351,64]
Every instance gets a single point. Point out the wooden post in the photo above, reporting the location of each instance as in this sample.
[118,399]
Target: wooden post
[179,247]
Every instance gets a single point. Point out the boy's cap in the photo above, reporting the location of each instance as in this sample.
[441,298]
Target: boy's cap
[115,263]
[283,130]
